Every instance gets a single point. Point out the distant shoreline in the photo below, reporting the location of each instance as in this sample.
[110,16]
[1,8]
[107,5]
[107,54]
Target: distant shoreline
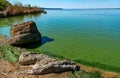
[80,8]
[53,8]
[94,8]
[9,10]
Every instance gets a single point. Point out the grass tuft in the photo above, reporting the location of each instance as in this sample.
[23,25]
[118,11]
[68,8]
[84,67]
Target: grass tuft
[10,53]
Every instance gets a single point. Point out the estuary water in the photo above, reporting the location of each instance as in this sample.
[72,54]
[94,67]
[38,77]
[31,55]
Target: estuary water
[89,35]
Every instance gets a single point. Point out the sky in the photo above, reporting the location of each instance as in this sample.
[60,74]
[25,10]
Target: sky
[72,3]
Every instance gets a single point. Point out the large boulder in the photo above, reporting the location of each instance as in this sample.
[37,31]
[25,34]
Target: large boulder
[23,34]
[43,64]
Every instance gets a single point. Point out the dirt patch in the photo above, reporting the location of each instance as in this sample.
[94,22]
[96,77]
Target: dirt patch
[10,70]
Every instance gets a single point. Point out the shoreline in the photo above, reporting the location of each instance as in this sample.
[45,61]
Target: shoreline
[83,68]
[89,64]
[4,14]
[19,9]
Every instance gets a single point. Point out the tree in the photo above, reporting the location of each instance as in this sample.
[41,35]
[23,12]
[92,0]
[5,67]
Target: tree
[3,4]
[2,1]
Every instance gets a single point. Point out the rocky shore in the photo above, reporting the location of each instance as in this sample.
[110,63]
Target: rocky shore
[19,9]
[31,64]
[12,12]
[38,65]
[28,34]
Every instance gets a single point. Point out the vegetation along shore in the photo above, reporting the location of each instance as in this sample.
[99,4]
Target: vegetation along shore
[7,9]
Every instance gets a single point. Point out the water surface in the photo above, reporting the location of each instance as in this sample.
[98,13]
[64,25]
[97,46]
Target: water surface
[90,35]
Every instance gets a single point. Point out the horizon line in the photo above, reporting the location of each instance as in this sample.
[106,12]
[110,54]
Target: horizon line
[80,8]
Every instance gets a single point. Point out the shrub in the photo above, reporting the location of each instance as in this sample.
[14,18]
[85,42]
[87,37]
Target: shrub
[3,4]
[2,1]
[2,8]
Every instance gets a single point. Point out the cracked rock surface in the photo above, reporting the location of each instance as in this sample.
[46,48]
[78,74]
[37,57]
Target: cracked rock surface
[43,64]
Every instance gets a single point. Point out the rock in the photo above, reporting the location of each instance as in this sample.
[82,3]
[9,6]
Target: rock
[53,67]
[23,34]
[29,58]
[43,64]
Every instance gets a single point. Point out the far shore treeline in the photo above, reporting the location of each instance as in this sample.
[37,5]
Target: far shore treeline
[7,9]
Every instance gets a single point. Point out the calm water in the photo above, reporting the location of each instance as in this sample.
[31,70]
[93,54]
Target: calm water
[90,35]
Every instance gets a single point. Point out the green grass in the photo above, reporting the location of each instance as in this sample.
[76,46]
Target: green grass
[10,53]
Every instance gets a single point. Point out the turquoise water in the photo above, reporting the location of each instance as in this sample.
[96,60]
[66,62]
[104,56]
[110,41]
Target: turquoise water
[90,35]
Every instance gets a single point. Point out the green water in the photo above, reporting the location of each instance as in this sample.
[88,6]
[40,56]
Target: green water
[89,35]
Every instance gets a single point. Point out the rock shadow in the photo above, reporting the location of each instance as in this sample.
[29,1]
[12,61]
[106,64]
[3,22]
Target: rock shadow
[45,39]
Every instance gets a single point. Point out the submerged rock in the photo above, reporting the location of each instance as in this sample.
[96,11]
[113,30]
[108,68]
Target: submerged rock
[43,64]
[23,34]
